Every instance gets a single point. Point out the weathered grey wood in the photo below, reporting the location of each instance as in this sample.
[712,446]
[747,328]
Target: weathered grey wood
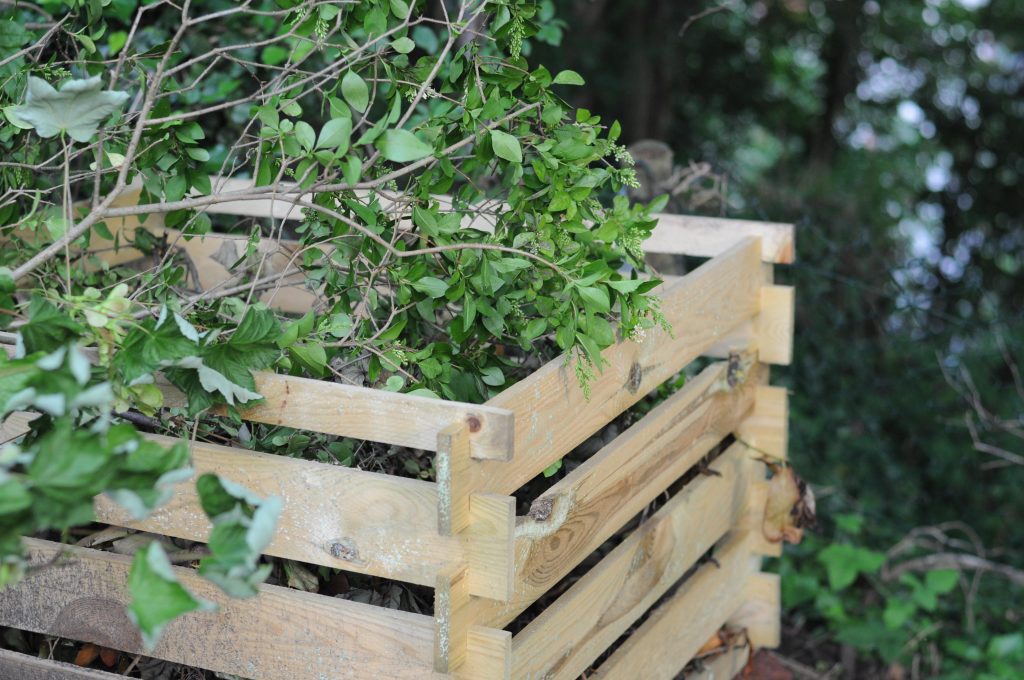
[17,666]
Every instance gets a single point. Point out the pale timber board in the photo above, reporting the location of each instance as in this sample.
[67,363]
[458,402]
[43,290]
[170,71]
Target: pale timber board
[585,508]
[552,413]
[582,623]
[761,611]
[725,666]
[16,666]
[334,516]
[379,415]
[711,236]
[676,630]
[770,332]
[281,633]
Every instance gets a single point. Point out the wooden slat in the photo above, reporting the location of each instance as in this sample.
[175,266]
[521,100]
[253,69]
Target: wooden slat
[584,509]
[725,666]
[712,236]
[770,332]
[761,611]
[282,633]
[334,516]
[378,415]
[767,428]
[451,619]
[489,656]
[552,413]
[452,465]
[489,545]
[15,666]
[676,630]
[566,638]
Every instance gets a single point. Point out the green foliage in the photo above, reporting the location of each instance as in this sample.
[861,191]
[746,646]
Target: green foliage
[157,596]
[77,109]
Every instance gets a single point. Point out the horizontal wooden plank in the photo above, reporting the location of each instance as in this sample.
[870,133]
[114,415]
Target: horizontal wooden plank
[552,413]
[282,633]
[761,611]
[16,666]
[676,630]
[584,509]
[711,236]
[725,666]
[577,628]
[379,415]
[334,516]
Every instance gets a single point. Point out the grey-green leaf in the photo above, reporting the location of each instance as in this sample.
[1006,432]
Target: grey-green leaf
[506,146]
[157,596]
[355,91]
[77,109]
[335,134]
[568,78]
[403,45]
[402,146]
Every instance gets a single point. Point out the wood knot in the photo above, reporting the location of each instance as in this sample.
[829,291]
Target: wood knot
[99,620]
[344,549]
[541,509]
[474,423]
[636,375]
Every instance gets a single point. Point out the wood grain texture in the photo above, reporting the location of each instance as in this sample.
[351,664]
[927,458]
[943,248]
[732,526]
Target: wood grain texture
[767,428]
[282,633]
[452,465]
[711,236]
[489,545]
[489,656]
[723,667]
[552,414]
[761,611]
[451,619]
[15,666]
[770,332]
[333,516]
[676,630]
[585,508]
[577,628]
[378,415]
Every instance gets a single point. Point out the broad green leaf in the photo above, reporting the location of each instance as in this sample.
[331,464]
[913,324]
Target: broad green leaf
[430,285]
[157,596]
[335,134]
[304,133]
[403,45]
[77,109]
[506,146]
[596,298]
[568,78]
[355,91]
[402,146]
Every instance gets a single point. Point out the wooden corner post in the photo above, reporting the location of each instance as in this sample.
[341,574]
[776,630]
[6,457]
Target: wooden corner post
[485,525]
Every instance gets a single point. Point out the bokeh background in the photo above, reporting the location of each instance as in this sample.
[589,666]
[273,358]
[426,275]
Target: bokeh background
[892,134]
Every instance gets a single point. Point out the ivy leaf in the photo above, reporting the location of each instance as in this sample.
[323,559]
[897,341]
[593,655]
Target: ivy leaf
[568,78]
[506,146]
[402,146]
[77,109]
[243,526]
[157,596]
[355,91]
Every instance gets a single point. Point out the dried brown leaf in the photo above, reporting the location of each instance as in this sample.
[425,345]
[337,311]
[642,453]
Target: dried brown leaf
[87,654]
[790,507]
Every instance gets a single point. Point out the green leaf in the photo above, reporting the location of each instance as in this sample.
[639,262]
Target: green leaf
[272,55]
[897,612]
[844,562]
[13,497]
[553,468]
[77,109]
[335,134]
[355,91]
[157,596]
[403,45]
[941,581]
[596,298]
[433,287]
[402,146]
[304,133]
[506,146]
[568,78]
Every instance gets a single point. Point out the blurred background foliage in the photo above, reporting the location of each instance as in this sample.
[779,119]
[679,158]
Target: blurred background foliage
[892,134]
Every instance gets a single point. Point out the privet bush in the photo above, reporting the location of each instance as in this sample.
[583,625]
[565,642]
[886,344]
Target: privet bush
[363,113]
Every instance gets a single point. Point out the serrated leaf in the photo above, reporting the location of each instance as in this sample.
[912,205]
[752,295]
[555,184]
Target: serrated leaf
[506,146]
[355,91]
[157,596]
[78,108]
[402,146]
